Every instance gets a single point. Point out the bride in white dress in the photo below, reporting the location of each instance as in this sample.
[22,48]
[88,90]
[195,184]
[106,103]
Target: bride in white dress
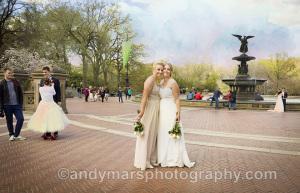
[279,103]
[48,117]
[171,152]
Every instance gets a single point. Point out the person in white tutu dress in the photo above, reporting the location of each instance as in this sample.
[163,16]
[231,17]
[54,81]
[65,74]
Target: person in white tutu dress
[171,152]
[49,117]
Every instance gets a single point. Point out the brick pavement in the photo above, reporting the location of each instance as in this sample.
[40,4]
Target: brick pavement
[101,138]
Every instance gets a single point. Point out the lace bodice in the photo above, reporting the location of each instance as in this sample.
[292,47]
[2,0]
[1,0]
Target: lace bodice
[47,93]
[166,91]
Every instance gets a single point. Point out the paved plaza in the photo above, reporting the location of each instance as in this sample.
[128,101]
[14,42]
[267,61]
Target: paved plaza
[235,151]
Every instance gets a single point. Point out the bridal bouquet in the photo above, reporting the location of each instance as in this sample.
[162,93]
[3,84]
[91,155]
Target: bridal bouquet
[138,128]
[175,133]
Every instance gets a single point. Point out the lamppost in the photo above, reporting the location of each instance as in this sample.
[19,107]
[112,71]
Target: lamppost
[127,76]
[126,52]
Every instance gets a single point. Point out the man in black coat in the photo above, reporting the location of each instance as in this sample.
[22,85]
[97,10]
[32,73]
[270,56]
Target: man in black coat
[284,97]
[56,97]
[11,102]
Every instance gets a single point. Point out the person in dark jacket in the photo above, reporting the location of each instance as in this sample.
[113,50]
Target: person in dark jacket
[86,93]
[120,95]
[284,97]
[11,102]
[102,93]
[232,100]
[126,92]
[216,96]
[106,90]
[56,97]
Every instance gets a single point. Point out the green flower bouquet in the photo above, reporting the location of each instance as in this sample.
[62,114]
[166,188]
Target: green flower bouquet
[138,128]
[175,133]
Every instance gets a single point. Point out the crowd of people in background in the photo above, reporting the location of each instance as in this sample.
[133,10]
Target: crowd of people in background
[230,97]
[102,94]
[194,95]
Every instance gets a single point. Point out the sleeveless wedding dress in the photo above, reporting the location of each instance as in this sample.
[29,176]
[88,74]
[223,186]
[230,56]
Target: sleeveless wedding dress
[171,152]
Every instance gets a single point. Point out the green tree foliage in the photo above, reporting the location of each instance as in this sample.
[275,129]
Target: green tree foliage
[279,68]
[96,30]
[280,71]
[200,76]
[9,10]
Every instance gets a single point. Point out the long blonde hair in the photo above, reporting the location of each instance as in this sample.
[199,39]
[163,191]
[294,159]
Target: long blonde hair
[161,63]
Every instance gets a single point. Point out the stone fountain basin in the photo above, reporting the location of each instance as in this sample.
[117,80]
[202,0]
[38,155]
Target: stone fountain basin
[243,81]
[243,57]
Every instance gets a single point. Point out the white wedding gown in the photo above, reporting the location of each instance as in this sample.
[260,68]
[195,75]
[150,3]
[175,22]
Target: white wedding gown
[171,152]
[279,104]
[49,116]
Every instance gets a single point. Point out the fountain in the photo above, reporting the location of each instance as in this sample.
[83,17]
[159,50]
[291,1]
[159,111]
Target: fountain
[243,84]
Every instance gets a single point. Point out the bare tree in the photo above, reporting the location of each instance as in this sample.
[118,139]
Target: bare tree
[8,9]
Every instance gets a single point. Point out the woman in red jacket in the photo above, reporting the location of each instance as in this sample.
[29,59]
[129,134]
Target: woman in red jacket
[198,96]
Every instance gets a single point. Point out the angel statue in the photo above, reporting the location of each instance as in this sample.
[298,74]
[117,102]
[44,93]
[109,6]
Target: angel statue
[244,42]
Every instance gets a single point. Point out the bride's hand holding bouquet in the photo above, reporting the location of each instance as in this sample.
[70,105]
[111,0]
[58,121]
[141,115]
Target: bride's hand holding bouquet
[175,133]
[138,127]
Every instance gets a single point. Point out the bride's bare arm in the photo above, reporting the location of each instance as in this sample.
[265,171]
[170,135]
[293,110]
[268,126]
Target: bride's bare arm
[176,95]
[148,85]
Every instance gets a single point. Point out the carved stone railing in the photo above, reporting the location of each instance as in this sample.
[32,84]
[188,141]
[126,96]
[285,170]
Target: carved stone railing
[28,101]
